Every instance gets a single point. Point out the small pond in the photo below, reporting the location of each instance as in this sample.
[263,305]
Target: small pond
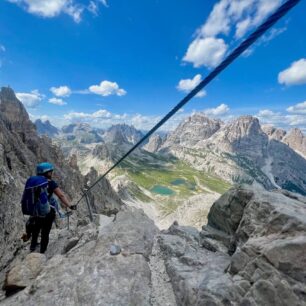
[178,181]
[162,190]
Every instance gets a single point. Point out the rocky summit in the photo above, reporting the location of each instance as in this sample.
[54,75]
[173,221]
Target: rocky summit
[251,251]
[241,151]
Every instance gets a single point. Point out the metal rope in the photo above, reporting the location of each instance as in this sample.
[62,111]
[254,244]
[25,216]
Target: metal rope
[281,11]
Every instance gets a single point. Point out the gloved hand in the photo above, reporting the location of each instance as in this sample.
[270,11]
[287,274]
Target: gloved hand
[73,207]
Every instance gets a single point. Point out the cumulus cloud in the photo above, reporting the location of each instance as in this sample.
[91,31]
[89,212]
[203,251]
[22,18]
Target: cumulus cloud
[61,91]
[295,74]
[283,120]
[220,110]
[299,108]
[297,120]
[187,85]
[107,88]
[207,52]
[103,119]
[51,8]
[57,101]
[100,114]
[232,18]
[31,99]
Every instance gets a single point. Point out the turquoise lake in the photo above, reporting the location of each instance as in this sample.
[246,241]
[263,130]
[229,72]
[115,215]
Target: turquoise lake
[162,190]
[178,182]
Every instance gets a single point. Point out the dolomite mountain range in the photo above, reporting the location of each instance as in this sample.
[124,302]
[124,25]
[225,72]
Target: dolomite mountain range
[250,252]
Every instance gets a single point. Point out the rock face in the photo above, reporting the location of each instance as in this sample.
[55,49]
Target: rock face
[295,139]
[274,133]
[46,128]
[81,133]
[192,130]
[122,133]
[90,275]
[23,273]
[154,144]
[241,152]
[252,252]
[20,150]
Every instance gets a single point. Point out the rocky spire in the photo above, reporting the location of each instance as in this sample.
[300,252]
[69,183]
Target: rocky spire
[192,130]
[296,140]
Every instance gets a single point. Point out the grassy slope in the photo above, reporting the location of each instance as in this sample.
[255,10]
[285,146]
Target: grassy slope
[157,170]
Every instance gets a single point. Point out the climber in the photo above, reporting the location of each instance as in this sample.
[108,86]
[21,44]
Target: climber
[44,224]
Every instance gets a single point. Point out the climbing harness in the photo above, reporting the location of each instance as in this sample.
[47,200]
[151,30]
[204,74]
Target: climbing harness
[281,11]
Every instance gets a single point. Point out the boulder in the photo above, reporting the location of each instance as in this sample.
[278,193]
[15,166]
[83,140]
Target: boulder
[252,252]
[23,273]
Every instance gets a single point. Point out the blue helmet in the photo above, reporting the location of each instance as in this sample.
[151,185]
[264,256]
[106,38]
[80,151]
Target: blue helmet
[43,168]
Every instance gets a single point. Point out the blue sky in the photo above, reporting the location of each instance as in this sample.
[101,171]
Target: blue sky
[106,62]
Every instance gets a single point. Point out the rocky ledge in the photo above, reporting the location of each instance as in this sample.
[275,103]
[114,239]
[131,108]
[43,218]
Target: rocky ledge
[251,252]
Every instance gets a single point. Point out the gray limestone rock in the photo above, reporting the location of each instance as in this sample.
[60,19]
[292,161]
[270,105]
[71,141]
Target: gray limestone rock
[89,275]
[250,253]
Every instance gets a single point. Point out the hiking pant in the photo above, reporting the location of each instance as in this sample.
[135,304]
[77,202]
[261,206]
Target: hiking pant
[44,226]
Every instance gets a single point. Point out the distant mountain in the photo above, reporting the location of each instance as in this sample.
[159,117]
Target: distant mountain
[153,144]
[295,138]
[122,133]
[46,128]
[239,151]
[192,130]
[81,133]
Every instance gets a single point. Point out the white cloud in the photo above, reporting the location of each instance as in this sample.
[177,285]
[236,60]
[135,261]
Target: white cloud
[283,120]
[238,15]
[272,34]
[266,113]
[232,18]
[30,100]
[220,110]
[57,101]
[100,114]
[256,12]
[242,27]
[187,85]
[61,91]
[104,2]
[295,74]
[207,52]
[107,88]
[299,108]
[51,8]
[217,21]
[93,7]
[297,120]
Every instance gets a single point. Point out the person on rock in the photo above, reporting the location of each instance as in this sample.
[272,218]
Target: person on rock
[43,225]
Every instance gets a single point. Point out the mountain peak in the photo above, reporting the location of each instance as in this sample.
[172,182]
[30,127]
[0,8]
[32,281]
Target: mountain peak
[14,113]
[122,133]
[193,129]
[245,126]
[7,93]
[46,128]
[296,140]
